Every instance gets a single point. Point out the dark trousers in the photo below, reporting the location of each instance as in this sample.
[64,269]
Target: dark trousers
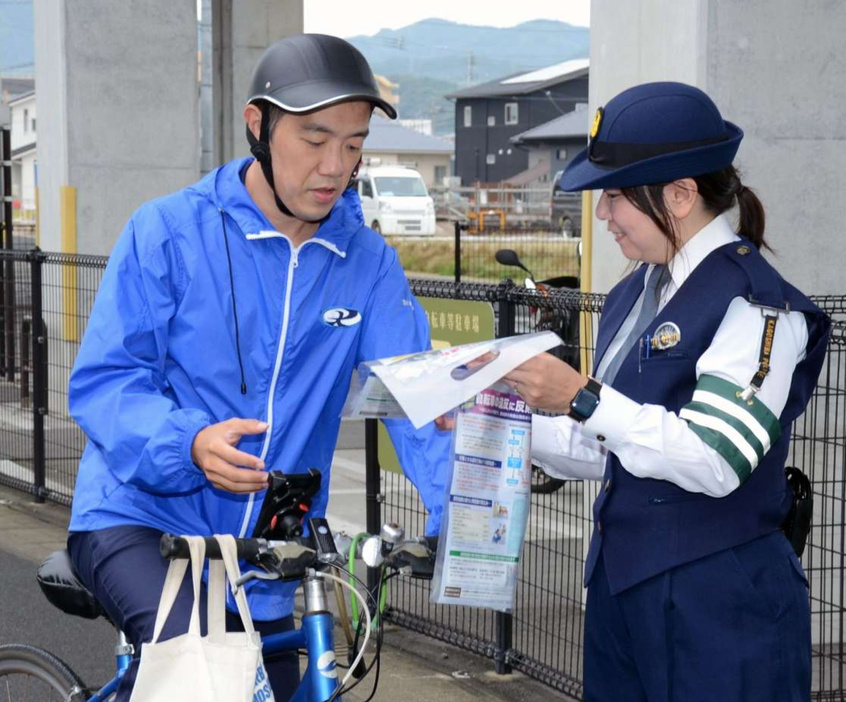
[124,570]
[734,627]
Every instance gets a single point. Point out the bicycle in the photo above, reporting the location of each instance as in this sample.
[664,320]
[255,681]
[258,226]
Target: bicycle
[31,673]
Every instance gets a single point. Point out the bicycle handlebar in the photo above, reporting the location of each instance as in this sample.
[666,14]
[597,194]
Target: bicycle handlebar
[289,562]
[172,546]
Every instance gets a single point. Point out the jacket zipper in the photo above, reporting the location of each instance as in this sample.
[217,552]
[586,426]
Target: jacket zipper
[292,265]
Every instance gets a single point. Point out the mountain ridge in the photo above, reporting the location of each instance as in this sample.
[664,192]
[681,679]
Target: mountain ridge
[434,57]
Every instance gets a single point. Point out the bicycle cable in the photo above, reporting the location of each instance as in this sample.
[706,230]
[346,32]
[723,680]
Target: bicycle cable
[379,647]
[379,639]
[365,611]
[377,655]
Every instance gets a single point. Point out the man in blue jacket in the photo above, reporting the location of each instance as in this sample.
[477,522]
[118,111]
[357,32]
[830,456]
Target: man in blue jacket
[223,338]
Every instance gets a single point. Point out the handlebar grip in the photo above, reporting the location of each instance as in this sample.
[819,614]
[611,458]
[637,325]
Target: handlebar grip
[172,546]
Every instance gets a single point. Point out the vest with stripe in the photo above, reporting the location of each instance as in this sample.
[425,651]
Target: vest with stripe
[643,526]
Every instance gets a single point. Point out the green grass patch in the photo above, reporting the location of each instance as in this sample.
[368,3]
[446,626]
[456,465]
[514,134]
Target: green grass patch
[545,256]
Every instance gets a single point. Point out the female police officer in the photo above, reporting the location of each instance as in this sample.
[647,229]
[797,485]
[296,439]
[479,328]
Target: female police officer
[704,358]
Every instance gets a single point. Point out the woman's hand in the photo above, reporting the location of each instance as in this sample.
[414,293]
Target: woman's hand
[547,383]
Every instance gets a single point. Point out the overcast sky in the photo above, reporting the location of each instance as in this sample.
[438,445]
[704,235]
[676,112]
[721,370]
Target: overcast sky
[347,18]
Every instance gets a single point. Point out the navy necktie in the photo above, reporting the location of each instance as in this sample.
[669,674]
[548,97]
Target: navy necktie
[648,312]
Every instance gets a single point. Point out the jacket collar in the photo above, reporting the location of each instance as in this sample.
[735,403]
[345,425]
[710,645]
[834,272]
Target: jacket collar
[225,189]
[718,232]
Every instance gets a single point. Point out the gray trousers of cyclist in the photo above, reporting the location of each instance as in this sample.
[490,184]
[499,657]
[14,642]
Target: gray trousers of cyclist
[124,570]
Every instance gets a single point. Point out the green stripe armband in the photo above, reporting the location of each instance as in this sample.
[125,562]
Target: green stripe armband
[741,431]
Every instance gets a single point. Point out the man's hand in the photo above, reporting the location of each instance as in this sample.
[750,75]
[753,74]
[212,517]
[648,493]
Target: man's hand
[546,383]
[225,466]
[445,422]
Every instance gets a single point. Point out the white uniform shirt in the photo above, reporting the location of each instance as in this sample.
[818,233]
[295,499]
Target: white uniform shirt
[654,443]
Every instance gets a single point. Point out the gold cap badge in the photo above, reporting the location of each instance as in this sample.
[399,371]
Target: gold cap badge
[597,122]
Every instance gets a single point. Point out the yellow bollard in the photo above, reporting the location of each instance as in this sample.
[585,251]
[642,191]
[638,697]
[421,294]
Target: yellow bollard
[585,276]
[70,317]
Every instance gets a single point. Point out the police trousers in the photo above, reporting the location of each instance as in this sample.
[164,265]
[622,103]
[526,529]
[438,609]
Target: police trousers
[734,626]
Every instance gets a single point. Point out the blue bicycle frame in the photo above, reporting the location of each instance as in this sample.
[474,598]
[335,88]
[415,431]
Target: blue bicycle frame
[315,636]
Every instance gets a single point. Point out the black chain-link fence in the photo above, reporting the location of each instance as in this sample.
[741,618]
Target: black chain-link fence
[543,638]
[45,303]
[45,300]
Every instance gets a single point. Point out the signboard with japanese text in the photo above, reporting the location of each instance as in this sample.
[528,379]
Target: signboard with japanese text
[451,323]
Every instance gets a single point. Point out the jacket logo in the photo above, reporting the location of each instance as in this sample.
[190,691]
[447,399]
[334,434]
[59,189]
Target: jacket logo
[341,317]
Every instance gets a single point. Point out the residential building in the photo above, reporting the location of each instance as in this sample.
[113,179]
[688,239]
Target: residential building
[387,91]
[24,156]
[551,146]
[390,143]
[487,116]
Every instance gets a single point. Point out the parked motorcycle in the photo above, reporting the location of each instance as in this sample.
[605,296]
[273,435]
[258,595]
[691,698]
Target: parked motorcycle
[564,322]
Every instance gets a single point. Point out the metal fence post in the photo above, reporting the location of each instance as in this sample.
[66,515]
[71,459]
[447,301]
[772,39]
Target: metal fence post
[39,378]
[457,252]
[6,199]
[372,489]
[26,366]
[507,310]
[503,621]
[9,245]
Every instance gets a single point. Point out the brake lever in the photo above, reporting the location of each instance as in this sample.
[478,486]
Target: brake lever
[414,559]
[252,575]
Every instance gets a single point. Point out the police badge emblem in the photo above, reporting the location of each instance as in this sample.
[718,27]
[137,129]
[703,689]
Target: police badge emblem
[666,336]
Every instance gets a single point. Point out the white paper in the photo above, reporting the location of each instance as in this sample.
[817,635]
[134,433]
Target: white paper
[427,385]
[488,506]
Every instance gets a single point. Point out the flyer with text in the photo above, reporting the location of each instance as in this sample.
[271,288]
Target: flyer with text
[488,505]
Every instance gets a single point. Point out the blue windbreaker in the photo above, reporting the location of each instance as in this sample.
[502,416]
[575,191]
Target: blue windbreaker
[159,361]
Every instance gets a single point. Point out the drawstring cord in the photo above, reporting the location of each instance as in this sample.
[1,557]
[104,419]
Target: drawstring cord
[234,306]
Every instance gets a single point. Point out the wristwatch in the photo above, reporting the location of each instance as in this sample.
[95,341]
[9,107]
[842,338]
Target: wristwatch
[586,401]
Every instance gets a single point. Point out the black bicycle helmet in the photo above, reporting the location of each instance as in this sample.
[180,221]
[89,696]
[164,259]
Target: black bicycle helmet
[304,73]
[307,72]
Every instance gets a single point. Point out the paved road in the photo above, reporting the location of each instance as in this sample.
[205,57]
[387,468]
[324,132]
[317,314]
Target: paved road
[25,616]
[433,671]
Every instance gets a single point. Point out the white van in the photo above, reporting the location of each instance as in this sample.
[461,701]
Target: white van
[394,200]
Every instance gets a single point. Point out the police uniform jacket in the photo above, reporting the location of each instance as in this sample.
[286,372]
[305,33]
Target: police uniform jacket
[689,467]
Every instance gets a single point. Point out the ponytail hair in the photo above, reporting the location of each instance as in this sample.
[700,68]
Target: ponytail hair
[751,217]
[720,191]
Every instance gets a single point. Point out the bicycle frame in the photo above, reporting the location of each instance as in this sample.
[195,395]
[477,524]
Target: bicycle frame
[316,636]
[123,657]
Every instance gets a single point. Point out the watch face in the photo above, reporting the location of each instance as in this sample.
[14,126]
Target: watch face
[584,403]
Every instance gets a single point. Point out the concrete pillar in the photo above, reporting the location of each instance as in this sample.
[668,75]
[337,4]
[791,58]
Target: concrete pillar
[243,29]
[775,68]
[120,111]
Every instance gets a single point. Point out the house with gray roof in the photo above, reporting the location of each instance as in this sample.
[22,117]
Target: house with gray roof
[552,145]
[489,115]
[390,143]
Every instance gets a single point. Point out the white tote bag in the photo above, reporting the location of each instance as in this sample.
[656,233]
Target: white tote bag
[219,667]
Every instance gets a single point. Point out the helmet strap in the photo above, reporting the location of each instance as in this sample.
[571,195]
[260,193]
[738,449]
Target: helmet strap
[354,174]
[260,149]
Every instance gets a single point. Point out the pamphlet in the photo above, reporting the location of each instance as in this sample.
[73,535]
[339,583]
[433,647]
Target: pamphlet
[426,385]
[487,507]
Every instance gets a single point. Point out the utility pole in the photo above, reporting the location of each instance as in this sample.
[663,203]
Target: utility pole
[471,62]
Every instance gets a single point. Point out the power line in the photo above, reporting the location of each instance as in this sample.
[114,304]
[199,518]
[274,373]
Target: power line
[20,65]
